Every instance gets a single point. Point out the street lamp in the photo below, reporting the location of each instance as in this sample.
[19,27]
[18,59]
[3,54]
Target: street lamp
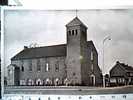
[104,40]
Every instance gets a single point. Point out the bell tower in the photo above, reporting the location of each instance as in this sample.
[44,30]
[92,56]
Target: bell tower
[76,42]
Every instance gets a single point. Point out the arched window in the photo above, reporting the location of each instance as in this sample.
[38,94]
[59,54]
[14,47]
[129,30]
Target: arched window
[69,32]
[22,68]
[30,82]
[39,82]
[66,82]
[48,81]
[72,32]
[57,81]
[47,67]
[92,56]
[76,32]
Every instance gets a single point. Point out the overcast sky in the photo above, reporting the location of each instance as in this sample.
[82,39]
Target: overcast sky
[48,28]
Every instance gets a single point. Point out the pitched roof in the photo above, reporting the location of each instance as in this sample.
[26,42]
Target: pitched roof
[76,21]
[125,67]
[91,44]
[40,52]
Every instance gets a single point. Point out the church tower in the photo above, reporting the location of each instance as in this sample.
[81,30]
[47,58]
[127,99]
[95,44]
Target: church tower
[76,44]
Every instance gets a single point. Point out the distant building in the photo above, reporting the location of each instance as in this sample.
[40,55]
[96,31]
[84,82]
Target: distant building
[121,74]
[74,63]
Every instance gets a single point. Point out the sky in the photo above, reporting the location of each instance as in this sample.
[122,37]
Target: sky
[71,4]
[23,27]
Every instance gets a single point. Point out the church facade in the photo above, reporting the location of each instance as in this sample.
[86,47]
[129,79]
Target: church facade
[73,63]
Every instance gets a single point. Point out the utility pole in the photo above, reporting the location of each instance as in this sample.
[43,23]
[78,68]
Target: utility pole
[104,40]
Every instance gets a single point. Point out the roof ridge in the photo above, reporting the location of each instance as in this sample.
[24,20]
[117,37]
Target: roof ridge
[125,66]
[47,46]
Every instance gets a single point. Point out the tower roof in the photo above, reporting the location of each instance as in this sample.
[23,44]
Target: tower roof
[76,21]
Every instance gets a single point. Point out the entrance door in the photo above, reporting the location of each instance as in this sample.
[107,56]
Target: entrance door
[92,80]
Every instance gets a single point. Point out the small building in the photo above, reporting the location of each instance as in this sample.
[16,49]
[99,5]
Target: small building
[121,74]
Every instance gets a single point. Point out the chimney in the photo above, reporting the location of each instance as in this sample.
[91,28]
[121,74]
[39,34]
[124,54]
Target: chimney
[117,62]
[25,47]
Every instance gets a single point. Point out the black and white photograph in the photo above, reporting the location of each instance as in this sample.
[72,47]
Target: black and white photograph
[65,54]
[68,52]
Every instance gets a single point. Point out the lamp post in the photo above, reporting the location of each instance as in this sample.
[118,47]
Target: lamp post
[104,40]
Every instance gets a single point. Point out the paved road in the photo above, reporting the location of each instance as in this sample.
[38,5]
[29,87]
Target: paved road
[69,90]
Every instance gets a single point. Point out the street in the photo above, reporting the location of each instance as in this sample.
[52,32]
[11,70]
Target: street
[67,90]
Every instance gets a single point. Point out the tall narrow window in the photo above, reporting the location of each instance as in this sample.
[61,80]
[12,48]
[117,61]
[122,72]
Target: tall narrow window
[38,65]
[91,55]
[57,66]
[92,67]
[22,65]
[76,32]
[22,69]
[47,67]
[72,32]
[30,65]
[69,32]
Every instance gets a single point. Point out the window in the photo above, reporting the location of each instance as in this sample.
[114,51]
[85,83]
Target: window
[30,82]
[48,81]
[69,32]
[57,66]
[47,67]
[112,80]
[22,69]
[30,65]
[38,65]
[74,74]
[91,55]
[39,82]
[76,32]
[22,82]
[72,32]
[57,81]
[92,67]
[131,74]
[22,65]
[9,72]
[121,80]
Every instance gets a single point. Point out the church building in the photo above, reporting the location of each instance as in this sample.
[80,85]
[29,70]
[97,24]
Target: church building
[74,63]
